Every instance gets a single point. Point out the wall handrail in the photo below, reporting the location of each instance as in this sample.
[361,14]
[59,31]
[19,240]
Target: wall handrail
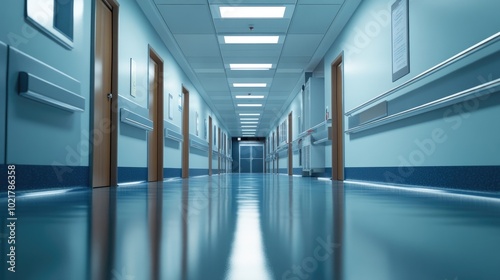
[198,143]
[474,92]
[134,119]
[486,42]
[172,132]
[43,91]
[314,128]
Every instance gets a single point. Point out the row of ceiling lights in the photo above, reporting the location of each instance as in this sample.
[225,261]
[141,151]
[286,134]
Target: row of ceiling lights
[249,125]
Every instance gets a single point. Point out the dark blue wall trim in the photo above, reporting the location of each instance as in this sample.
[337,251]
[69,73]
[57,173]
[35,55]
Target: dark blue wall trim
[297,171]
[197,172]
[36,177]
[327,173]
[132,174]
[283,170]
[172,172]
[474,178]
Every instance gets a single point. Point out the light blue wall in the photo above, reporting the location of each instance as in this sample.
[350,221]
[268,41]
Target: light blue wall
[136,36]
[296,108]
[37,133]
[438,30]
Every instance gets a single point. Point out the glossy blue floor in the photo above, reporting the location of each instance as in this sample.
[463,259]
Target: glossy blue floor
[254,227]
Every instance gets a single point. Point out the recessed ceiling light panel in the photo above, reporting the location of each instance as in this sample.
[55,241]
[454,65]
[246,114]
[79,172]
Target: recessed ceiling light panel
[249,119]
[249,114]
[249,96]
[251,39]
[249,105]
[250,66]
[257,85]
[252,12]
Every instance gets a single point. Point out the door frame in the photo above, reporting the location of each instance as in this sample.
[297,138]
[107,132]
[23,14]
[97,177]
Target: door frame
[113,5]
[185,133]
[158,103]
[337,105]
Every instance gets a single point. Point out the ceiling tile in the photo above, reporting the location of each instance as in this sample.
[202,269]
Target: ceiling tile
[301,45]
[193,45]
[260,26]
[293,62]
[239,74]
[284,84]
[323,16]
[187,19]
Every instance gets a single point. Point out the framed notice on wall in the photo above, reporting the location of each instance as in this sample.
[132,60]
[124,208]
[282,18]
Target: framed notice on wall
[170,107]
[400,40]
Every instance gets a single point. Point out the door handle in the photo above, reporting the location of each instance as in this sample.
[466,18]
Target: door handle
[109,96]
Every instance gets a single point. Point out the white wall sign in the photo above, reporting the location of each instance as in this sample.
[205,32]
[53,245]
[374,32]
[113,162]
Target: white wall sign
[400,40]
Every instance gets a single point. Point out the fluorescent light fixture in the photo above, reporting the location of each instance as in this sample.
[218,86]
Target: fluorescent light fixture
[249,96]
[249,105]
[249,119]
[249,122]
[251,39]
[249,130]
[252,12]
[249,85]
[248,126]
[250,66]
[249,114]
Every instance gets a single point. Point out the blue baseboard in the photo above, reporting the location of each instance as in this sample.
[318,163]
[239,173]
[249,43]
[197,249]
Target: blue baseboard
[37,177]
[132,174]
[172,172]
[472,178]
[327,173]
[297,171]
[197,172]
[283,171]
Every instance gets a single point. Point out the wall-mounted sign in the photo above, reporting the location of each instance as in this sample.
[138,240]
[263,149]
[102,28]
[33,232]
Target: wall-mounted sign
[133,78]
[180,102]
[170,107]
[400,40]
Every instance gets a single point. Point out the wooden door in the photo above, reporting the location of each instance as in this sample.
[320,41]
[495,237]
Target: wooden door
[337,121]
[103,86]
[185,133]
[155,137]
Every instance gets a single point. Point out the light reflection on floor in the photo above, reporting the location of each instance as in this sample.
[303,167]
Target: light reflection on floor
[254,227]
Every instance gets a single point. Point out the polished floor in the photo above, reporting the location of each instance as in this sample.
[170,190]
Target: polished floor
[255,227]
